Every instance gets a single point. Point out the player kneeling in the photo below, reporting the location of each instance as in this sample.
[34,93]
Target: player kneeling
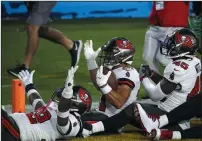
[48,121]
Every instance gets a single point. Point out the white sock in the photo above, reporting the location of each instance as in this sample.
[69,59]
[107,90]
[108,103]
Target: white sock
[163,120]
[176,135]
[98,127]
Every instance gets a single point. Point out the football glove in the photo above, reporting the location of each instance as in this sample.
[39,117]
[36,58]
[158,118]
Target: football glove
[90,54]
[68,91]
[26,77]
[101,78]
[145,71]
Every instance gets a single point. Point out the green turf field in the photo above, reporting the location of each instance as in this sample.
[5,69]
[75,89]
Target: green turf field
[52,60]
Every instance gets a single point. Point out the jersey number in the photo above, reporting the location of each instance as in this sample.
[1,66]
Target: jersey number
[181,64]
[196,88]
[39,116]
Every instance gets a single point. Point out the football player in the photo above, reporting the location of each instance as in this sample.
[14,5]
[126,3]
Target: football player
[117,56]
[180,83]
[191,108]
[165,18]
[48,121]
[181,78]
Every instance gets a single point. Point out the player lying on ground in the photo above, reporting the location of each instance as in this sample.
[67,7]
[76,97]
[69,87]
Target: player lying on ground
[180,82]
[116,57]
[48,121]
[186,111]
[37,27]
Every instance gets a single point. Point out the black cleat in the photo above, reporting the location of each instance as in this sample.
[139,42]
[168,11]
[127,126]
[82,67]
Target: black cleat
[15,71]
[75,52]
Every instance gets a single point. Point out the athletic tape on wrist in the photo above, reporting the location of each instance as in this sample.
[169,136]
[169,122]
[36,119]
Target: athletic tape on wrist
[31,91]
[63,114]
[106,89]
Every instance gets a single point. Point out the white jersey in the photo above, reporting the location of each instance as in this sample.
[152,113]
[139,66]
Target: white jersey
[126,76]
[42,124]
[185,73]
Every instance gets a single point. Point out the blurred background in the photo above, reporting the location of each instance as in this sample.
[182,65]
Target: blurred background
[76,10]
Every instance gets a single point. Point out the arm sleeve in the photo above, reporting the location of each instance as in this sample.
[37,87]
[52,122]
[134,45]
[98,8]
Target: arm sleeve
[154,91]
[68,122]
[34,97]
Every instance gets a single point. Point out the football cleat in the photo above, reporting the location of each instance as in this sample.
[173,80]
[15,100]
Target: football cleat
[15,71]
[158,134]
[75,52]
[147,122]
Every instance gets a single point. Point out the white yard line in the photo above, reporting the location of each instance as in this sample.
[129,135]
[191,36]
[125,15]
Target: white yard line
[5,86]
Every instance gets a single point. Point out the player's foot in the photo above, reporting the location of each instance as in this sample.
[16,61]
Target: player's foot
[148,122]
[15,71]
[158,134]
[75,52]
[87,130]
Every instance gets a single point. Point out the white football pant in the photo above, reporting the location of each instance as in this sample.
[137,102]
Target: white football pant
[151,53]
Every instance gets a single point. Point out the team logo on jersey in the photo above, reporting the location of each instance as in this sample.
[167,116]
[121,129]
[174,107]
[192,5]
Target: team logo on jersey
[127,74]
[74,124]
[172,75]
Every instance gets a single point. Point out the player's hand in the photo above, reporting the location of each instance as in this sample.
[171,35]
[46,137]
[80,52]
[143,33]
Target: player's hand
[101,78]
[89,53]
[26,77]
[68,91]
[145,71]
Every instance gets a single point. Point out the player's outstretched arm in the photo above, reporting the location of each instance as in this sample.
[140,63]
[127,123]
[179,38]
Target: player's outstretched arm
[63,122]
[91,56]
[32,94]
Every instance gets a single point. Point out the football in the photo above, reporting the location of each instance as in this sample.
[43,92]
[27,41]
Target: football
[112,81]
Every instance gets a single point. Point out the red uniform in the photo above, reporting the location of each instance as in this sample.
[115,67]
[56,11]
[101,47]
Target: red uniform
[170,14]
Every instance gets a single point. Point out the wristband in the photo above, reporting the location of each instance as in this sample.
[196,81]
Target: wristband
[106,89]
[92,64]
[63,114]
[29,87]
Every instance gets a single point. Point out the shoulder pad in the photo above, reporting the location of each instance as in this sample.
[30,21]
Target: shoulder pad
[175,73]
[128,73]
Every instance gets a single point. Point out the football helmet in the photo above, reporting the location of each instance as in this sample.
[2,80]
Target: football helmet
[81,99]
[180,43]
[116,51]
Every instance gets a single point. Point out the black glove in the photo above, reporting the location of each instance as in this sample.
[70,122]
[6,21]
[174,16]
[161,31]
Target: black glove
[145,71]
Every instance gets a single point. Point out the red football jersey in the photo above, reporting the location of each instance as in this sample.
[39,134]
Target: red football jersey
[170,13]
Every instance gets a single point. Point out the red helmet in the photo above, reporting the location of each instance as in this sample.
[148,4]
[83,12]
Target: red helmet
[180,43]
[116,51]
[81,98]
